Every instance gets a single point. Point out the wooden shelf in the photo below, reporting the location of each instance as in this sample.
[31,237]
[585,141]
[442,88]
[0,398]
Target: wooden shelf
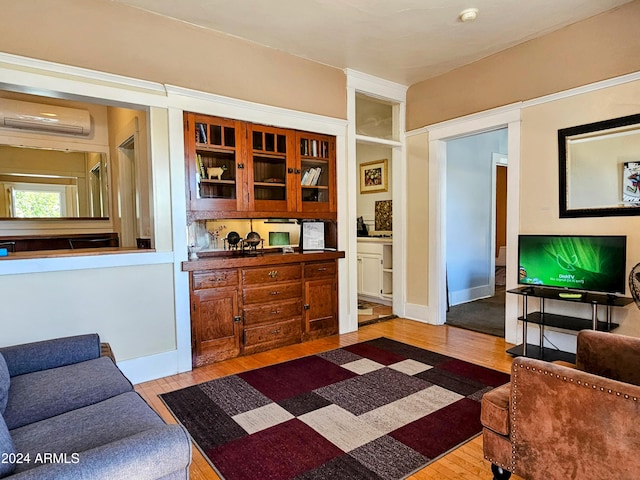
[269,184]
[269,155]
[316,160]
[317,187]
[219,182]
[215,149]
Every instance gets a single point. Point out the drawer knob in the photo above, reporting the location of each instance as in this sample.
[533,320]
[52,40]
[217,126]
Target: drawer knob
[275,332]
[275,312]
[275,292]
[323,269]
[273,273]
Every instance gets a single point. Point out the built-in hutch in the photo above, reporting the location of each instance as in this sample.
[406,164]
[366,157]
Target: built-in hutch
[238,170]
[243,301]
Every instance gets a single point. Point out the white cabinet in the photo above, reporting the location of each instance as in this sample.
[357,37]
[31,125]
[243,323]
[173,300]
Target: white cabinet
[375,270]
[370,274]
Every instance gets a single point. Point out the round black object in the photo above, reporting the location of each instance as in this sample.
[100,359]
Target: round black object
[233,238]
[253,238]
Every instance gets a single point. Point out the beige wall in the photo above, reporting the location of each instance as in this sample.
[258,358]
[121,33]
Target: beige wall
[604,46]
[136,317]
[111,37]
[539,209]
[417,219]
[598,48]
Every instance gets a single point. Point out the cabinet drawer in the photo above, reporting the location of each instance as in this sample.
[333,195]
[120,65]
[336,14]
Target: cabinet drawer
[277,273]
[215,278]
[272,293]
[272,312]
[369,247]
[324,269]
[281,333]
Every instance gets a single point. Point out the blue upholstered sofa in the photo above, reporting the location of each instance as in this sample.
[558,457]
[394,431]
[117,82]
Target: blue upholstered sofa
[69,413]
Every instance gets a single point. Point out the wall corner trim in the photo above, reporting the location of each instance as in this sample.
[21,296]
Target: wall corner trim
[151,367]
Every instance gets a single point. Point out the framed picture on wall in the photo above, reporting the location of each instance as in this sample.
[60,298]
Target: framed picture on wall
[373,177]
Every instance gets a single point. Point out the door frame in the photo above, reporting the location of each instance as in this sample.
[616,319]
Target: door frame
[498,160]
[439,134]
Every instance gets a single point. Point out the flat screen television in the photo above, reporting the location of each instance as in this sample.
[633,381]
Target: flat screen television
[594,263]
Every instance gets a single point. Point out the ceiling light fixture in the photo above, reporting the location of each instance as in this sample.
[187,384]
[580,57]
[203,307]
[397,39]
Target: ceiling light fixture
[468,15]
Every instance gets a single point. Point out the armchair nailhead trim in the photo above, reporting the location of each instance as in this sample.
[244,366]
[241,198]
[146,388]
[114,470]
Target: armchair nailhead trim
[499,464]
[514,389]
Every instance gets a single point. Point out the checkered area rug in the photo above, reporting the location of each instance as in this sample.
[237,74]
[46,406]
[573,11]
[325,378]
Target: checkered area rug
[375,410]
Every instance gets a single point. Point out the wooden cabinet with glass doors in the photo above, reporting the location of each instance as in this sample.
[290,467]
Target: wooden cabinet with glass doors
[239,169]
[317,156]
[272,165]
[215,167]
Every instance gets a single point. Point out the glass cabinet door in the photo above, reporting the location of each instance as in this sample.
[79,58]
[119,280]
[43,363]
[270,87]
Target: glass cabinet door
[235,167]
[317,172]
[215,167]
[270,168]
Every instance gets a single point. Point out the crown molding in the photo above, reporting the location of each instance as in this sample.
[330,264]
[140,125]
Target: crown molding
[375,86]
[213,104]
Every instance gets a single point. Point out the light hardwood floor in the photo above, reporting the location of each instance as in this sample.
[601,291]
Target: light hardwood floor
[465,462]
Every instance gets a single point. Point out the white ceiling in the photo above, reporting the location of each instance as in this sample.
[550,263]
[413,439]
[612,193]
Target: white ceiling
[404,41]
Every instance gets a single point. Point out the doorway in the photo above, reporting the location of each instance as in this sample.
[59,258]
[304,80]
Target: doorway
[379,158]
[128,205]
[437,271]
[475,231]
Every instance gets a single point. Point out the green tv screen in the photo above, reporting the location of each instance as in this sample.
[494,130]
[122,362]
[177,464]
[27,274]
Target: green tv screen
[592,263]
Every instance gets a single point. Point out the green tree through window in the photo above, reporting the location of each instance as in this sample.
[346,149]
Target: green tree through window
[30,204]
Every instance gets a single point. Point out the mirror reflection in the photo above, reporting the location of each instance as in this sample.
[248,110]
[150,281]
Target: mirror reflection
[600,168]
[47,183]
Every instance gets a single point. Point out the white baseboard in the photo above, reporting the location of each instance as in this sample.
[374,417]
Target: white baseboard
[469,295]
[419,313]
[152,367]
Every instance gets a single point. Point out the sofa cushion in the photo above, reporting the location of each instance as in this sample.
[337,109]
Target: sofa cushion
[7,447]
[44,394]
[35,356]
[85,428]
[495,409]
[5,380]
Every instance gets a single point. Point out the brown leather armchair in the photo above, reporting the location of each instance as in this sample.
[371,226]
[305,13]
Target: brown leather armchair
[556,422]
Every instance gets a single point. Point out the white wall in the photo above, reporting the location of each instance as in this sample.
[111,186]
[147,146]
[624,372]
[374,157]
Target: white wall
[469,228]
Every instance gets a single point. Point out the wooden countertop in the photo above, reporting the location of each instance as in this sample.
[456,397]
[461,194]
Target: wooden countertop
[210,263]
[76,252]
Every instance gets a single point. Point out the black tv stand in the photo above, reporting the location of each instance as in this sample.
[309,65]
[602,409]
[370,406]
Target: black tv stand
[544,319]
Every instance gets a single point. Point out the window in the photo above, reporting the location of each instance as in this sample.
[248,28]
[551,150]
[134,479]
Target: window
[41,200]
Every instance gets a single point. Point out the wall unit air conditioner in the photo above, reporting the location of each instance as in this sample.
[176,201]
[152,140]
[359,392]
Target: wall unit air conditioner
[44,118]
